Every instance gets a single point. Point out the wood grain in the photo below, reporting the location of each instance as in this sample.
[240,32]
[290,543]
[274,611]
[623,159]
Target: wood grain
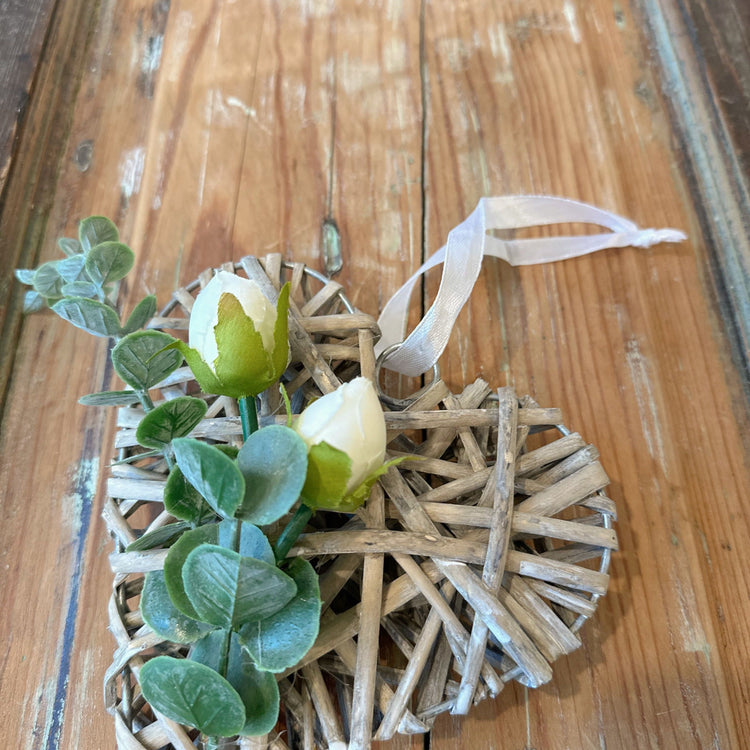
[31,186]
[22,33]
[210,130]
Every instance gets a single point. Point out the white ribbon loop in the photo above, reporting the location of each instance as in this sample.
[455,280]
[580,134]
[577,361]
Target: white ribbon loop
[462,257]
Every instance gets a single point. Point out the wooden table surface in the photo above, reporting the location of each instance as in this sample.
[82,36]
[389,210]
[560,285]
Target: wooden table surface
[210,130]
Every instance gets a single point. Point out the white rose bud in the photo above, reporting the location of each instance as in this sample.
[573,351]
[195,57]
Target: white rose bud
[238,339]
[205,313]
[345,434]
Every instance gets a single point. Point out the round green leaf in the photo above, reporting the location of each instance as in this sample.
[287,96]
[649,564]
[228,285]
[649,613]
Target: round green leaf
[109,398]
[142,313]
[71,268]
[32,302]
[140,361]
[208,650]
[160,614]
[92,231]
[89,315]
[175,561]
[192,694]
[108,262]
[278,642]
[273,462]
[80,289]
[253,542]
[24,275]
[228,450]
[181,499]
[215,475]
[229,590]
[257,689]
[47,281]
[69,246]
[170,420]
[159,537]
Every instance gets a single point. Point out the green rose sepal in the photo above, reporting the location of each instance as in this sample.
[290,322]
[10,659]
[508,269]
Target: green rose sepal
[328,472]
[244,367]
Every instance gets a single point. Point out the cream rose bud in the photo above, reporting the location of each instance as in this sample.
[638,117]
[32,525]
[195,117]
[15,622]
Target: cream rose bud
[205,313]
[239,342]
[349,420]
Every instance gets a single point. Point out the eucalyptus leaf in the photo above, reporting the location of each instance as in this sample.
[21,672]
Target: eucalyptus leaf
[216,476]
[89,315]
[69,246]
[182,500]
[142,313]
[169,420]
[253,542]
[94,230]
[160,614]
[159,537]
[139,360]
[228,450]
[71,269]
[257,689]
[193,694]
[279,641]
[109,398]
[24,275]
[175,561]
[209,649]
[229,590]
[109,261]
[47,281]
[80,289]
[273,462]
[33,302]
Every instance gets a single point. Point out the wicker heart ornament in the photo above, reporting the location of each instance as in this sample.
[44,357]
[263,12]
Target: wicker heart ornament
[475,561]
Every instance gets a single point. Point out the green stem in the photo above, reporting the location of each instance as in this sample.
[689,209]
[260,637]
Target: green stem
[249,421]
[292,531]
[224,663]
[145,400]
[248,416]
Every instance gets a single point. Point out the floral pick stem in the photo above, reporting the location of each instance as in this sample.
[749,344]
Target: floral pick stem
[248,416]
[249,421]
[292,530]
[145,400]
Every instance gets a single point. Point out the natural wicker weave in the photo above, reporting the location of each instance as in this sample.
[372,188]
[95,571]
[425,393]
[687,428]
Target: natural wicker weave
[477,562]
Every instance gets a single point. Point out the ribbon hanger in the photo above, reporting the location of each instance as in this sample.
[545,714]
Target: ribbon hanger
[462,257]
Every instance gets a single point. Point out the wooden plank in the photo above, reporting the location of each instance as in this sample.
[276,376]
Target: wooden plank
[247,128]
[546,97]
[712,156]
[721,34]
[29,192]
[22,33]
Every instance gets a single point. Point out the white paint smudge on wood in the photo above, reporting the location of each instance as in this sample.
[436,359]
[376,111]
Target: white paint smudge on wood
[131,170]
[151,59]
[499,46]
[569,11]
[179,40]
[646,403]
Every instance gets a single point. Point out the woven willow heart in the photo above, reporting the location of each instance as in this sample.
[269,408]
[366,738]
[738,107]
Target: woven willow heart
[475,562]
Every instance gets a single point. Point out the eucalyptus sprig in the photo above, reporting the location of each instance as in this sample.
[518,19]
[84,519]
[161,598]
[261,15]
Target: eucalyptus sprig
[234,598]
